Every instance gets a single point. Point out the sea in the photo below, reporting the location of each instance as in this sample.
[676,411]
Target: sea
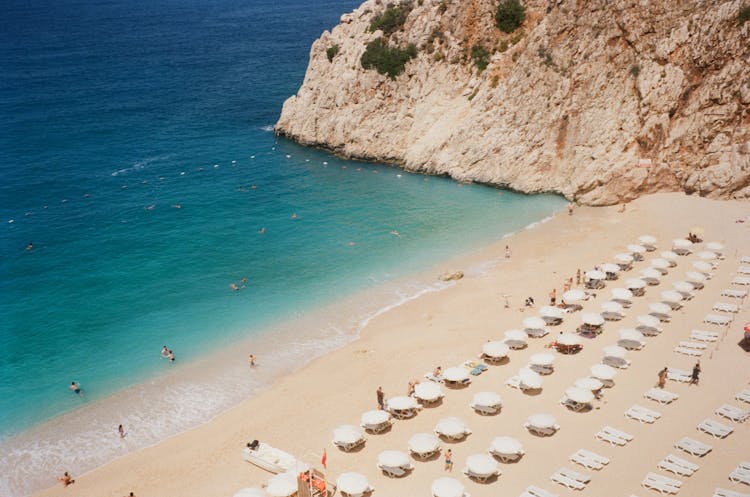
[146,202]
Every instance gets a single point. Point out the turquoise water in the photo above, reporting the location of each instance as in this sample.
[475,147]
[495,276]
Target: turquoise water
[131,135]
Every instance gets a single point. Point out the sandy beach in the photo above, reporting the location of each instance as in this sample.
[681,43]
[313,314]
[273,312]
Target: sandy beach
[299,412]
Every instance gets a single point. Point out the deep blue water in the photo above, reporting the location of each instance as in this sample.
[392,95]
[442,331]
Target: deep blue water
[113,114]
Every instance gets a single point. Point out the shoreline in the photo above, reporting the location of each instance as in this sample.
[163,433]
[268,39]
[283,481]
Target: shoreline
[227,431]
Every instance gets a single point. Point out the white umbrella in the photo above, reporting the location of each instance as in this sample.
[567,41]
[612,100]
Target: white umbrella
[447,487]
[568,339]
[424,443]
[530,378]
[352,483]
[481,464]
[659,308]
[506,445]
[579,395]
[624,258]
[608,267]
[282,485]
[516,335]
[451,427]
[648,321]
[647,240]
[683,286]
[592,319]
[374,418]
[393,459]
[495,349]
[682,243]
[603,371]
[660,263]
[251,492]
[694,276]
[456,374]
[347,434]
[635,283]
[636,249]
[612,307]
[671,296]
[534,323]
[669,255]
[706,255]
[542,359]
[542,420]
[703,267]
[615,351]
[715,247]
[428,390]
[590,384]
[402,403]
[631,334]
[650,273]
[549,311]
[487,399]
[595,274]
[573,296]
[622,294]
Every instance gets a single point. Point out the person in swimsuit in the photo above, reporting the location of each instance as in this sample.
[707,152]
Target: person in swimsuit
[448,460]
[75,388]
[66,479]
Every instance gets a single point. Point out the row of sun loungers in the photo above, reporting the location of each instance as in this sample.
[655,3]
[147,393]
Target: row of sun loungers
[642,414]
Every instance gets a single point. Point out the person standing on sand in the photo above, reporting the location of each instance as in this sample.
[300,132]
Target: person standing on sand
[662,378]
[251,360]
[570,208]
[381,398]
[696,372]
[448,460]
[121,431]
[553,297]
[578,277]
[507,252]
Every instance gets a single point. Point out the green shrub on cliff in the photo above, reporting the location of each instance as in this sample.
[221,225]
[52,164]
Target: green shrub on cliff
[744,15]
[480,56]
[510,15]
[392,19]
[386,59]
[332,51]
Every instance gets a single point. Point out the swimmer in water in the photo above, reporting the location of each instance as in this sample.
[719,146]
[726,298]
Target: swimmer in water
[262,230]
[171,356]
[150,207]
[295,216]
[395,233]
[177,206]
[30,246]
[253,187]
[165,352]
[243,280]
[75,388]
[234,287]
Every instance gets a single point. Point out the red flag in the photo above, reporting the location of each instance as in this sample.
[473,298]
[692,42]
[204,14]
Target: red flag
[324,459]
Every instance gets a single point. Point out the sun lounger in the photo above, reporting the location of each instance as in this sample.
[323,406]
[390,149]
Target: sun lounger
[514,382]
[743,396]
[693,447]
[740,475]
[570,479]
[745,259]
[588,459]
[726,307]
[678,466]
[613,436]
[723,492]
[741,280]
[704,336]
[735,294]
[743,269]
[693,345]
[642,414]
[693,352]
[714,428]
[744,465]
[661,484]
[574,406]
[734,413]
[475,368]
[432,377]
[533,491]
[661,396]
[679,375]
[717,319]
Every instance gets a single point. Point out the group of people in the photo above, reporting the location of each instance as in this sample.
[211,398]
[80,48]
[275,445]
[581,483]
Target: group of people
[694,376]
[167,353]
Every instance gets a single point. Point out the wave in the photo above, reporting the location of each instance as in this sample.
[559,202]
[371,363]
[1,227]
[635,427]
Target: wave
[138,166]
[268,128]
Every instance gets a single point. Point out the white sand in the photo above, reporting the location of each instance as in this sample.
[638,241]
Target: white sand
[300,411]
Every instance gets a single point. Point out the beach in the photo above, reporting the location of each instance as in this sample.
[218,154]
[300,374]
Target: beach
[298,412]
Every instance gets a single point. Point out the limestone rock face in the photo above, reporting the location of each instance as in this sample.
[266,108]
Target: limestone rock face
[600,100]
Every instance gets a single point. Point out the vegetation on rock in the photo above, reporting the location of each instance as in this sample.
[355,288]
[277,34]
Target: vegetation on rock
[744,15]
[332,51]
[480,56]
[509,15]
[386,59]
[392,19]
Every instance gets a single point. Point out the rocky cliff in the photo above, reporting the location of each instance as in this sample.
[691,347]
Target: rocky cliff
[600,100]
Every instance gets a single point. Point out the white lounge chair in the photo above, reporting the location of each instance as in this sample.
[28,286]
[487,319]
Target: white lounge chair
[588,459]
[534,491]
[741,280]
[704,336]
[693,345]
[714,428]
[735,294]
[693,352]
[678,466]
[740,475]
[613,436]
[723,492]
[693,447]
[743,269]
[661,396]
[570,479]
[726,307]
[661,484]
[642,414]
[717,319]
[743,396]
[734,413]
[745,259]
[679,375]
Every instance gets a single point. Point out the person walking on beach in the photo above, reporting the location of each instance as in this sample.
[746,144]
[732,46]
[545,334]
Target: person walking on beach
[410,389]
[570,208]
[121,431]
[507,252]
[662,378]
[448,460]
[381,398]
[696,372]
[553,297]
[252,360]
[75,388]
[578,277]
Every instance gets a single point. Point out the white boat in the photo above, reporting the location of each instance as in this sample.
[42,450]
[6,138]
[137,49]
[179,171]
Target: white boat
[273,460]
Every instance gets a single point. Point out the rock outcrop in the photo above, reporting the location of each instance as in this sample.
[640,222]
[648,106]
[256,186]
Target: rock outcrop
[600,100]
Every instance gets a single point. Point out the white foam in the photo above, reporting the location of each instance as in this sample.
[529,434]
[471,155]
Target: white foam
[267,128]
